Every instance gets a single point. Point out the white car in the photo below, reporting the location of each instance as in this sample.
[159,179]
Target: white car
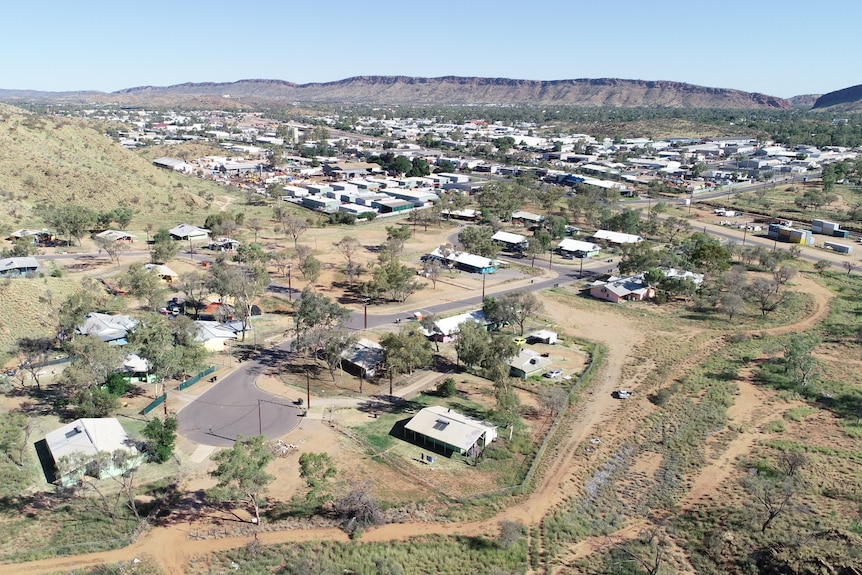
[622,394]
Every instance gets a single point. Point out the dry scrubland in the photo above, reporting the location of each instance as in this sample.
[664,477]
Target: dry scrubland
[670,463]
[70,162]
[620,483]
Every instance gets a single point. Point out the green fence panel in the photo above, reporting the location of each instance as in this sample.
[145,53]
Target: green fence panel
[193,380]
[154,404]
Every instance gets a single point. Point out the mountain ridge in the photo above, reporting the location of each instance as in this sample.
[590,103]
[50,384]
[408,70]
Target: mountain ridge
[443,90]
[847,99]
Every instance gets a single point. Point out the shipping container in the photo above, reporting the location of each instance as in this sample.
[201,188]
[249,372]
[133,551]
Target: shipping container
[838,248]
[840,234]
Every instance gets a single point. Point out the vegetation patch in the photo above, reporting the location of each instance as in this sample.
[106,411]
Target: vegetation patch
[433,554]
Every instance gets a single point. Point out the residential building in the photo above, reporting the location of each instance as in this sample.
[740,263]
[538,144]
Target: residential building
[446,329]
[12,267]
[85,438]
[188,232]
[442,430]
[116,236]
[617,237]
[510,241]
[616,289]
[577,248]
[113,329]
[363,359]
[464,261]
[527,363]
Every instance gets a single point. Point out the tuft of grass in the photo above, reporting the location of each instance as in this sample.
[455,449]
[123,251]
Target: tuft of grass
[799,413]
[775,426]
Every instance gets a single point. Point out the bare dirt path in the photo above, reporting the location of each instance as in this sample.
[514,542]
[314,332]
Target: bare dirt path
[228,200]
[171,549]
[752,407]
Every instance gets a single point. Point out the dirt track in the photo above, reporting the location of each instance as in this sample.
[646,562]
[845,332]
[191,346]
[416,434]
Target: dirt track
[171,549]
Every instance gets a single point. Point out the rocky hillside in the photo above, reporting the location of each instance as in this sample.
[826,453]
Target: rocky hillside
[61,161]
[803,101]
[449,90]
[848,99]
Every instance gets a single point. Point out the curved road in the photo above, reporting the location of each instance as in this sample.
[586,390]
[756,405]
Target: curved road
[235,406]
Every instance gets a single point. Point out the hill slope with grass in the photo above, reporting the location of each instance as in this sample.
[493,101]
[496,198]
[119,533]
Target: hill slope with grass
[67,162]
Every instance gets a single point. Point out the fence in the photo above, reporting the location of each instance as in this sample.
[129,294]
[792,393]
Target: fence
[193,380]
[154,404]
[187,383]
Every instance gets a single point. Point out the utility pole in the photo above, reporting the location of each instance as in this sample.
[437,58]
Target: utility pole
[581,274]
[483,286]
[307,389]
[289,289]
[365,311]
[744,232]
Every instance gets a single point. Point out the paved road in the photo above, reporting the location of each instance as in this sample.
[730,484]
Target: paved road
[235,406]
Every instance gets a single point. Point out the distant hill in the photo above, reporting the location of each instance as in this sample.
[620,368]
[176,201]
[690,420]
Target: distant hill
[848,99]
[448,90]
[803,101]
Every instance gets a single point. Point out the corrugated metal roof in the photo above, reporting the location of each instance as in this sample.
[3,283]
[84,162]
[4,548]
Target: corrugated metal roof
[449,427]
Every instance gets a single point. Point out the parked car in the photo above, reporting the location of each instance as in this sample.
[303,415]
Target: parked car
[553,374]
[622,394]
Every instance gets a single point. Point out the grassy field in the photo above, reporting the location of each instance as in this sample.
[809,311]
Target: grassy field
[28,308]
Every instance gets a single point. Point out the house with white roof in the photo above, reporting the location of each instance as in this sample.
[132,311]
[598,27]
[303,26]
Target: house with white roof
[510,241]
[464,261]
[442,430]
[113,329]
[116,236]
[578,248]
[617,237]
[447,328]
[164,272]
[11,267]
[527,363]
[214,335]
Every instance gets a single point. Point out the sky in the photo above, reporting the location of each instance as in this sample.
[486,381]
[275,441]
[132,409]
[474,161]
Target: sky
[780,48]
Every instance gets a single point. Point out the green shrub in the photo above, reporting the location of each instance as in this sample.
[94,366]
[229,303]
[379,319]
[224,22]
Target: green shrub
[447,388]
[799,413]
[776,426]
[117,384]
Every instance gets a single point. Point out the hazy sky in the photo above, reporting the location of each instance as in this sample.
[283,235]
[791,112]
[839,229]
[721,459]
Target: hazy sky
[781,48]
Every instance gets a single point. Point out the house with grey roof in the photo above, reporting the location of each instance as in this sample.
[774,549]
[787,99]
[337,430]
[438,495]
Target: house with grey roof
[189,232]
[14,267]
